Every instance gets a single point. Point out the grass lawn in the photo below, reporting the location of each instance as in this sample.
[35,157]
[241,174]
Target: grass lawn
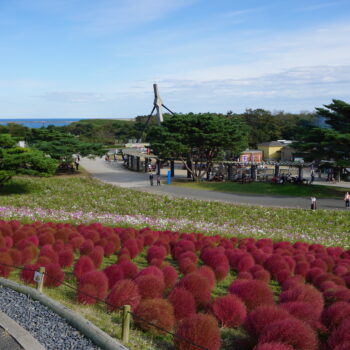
[264,188]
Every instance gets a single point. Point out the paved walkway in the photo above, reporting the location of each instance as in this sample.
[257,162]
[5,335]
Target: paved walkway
[114,173]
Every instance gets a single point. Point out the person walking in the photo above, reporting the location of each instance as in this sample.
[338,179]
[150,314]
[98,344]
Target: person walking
[151,179]
[347,200]
[312,177]
[76,163]
[158,180]
[313,203]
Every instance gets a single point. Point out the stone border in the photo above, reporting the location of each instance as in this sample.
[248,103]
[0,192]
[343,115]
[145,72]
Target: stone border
[97,336]
[19,334]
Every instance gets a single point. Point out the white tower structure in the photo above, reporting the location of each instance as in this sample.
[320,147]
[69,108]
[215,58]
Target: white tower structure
[158,103]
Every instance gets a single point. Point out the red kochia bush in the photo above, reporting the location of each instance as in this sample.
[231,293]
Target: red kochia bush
[262,317]
[306,293]
[200,329]
[253,293]
[129,269]
[65,257]
[5,259]
[170,276]
[29,253]
[273,346]
[96,256]
[114,274]
[27,274]
[335,314]
[229,310]
[48,251]
[82,266]
[290,331]
[157,311]
[54,276]
[92,285]
[124,292]
[208,273]
[156,252]
[86,247]
[150,286]
[151,270]
[340,335]
[183,303]
[198,286]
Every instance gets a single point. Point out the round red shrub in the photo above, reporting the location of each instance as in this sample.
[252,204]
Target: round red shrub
[198,286]
[262,317]
[229,310]
[199,329]
[293,282]
[43,261]
[221,271]
[186,266]
[305,293]
[337,293]
[96,256]
[48,251]
[183,303]
[156,252]
[273,346]
[8,241]
[132,246]
[151,270]
[114,274]
[29,253]
[150,286]
[340,334]
[86,247]
[5,264]
[208,273]
[290,331]
[170,276]
[262,275]
[16,256]
[92,286]
[254,293]
[27,274]
[245,263]
[301,268]
[313,273]
[58,246]
[46,238]
[124,292]
[83,265]
[333,315]
[156,311]
[65,258]
[130,270]
[54,276]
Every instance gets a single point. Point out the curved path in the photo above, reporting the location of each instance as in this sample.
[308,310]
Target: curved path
[114,173]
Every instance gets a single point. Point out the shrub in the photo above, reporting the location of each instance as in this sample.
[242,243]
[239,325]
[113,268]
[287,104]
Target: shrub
[158,252]
[29,253]
[150,286]
[48,251]
[92,286]
[65,258]
[208,273]
[58,246]
[114,274]
[132,246]
[221,271]
[27,274]
[5,259]
[304,311]
[156,311]
[335,314]
[199,329]
[305,293]
[340,335]
[262,317]
[273,346]
[290,331]
[46,238]
[337,293]
[129,269]
[16,256]
[262,275]
[253,293]
[170,276]
[124,292]
[54,276]
[229,310]
[96,256]
[183,303]
[83,265]
[245,263]
[198,286]
[151,270]
[86,247]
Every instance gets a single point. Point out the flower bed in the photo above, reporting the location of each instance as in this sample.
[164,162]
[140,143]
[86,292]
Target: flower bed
[176,290]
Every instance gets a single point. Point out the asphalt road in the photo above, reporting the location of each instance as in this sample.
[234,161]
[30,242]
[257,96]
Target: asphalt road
[114,173]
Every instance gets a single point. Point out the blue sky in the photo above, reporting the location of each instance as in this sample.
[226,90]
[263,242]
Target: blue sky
[88,58]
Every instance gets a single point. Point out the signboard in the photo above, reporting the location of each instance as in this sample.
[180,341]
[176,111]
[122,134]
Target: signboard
[37,276]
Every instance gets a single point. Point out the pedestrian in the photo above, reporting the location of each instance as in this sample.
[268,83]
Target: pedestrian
[347,200]
[151,179]
[76,163]
[158,180]
[313,203]
[312,176]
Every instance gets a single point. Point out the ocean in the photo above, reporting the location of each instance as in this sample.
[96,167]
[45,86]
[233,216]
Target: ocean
[38,123]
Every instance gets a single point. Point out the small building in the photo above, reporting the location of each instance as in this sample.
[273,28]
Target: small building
[288,154]
[251,155]
[271,150]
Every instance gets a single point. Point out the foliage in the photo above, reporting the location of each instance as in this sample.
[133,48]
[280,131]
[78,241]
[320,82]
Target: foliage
[197,139]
